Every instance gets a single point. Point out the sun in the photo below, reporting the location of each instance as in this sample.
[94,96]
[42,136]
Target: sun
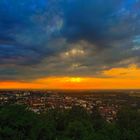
[75,80]
[72,79]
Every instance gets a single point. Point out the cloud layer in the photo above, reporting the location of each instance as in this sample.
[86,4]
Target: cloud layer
[67,37]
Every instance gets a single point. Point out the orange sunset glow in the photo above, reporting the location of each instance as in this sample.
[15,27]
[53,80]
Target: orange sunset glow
[117,78]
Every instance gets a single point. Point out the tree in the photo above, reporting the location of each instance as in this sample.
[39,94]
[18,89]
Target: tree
[16,122]
[128,121]
[78,130]
[97,120]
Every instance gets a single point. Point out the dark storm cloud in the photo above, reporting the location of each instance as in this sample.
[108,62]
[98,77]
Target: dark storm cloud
[22,35]
[37,38]
[94,20]
[88,20]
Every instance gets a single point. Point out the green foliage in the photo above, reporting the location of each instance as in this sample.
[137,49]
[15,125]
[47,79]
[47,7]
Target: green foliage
[129,118]
[97,120]
[129,123]
[19,123]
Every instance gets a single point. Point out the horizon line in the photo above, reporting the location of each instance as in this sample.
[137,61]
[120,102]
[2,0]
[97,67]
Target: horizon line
[68,89]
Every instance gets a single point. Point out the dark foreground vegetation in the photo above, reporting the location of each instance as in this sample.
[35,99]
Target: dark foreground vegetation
[18,123]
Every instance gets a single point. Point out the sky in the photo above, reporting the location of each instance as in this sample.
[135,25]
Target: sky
[70,44]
